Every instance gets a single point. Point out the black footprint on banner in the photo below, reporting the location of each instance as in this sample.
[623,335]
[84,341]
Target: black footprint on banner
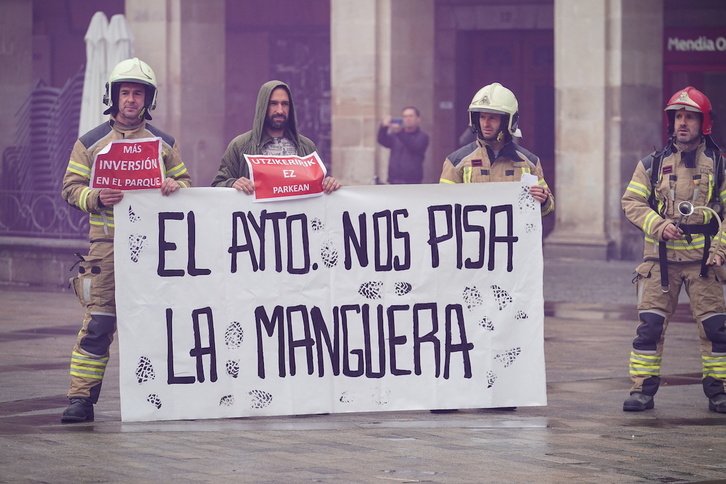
[371,289]
[381,398]
[472,297]
[226,401]
[487,323]
[136,245]
[346,397]
[132,215]
[317,225]
[501,296]
[491,378]
[232,367]
[402,288]
[233,335]
[154,399]
[329,254]
[260,399]
[526,200]
[144,370]
[521,315]
[508,357]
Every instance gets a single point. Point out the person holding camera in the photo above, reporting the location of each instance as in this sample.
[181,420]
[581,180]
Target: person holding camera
[408,146]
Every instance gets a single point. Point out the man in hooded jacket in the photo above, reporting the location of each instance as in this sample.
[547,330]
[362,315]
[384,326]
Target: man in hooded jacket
[274,133]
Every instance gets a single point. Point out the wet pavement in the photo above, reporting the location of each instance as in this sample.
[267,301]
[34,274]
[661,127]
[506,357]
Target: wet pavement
[582,435]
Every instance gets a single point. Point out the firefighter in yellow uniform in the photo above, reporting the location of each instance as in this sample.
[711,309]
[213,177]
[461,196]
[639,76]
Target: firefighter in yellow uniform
[493,156]
[674,197]
[130,94]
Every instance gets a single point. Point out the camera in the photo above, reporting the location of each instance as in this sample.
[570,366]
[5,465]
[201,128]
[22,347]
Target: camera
[398,121]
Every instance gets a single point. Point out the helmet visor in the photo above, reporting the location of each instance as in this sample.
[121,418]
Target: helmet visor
[678,107]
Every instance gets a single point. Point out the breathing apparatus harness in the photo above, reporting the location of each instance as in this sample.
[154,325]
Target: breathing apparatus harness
[709,229]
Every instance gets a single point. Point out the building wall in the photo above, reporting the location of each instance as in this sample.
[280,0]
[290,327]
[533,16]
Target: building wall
[262,44]
[184,42]
[16,54]
[211,57]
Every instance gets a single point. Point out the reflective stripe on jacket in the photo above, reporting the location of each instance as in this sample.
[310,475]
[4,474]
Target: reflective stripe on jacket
[472,164]
[677,182]
[77,178]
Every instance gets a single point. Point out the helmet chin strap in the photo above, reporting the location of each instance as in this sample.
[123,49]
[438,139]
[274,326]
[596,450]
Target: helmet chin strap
[500,136]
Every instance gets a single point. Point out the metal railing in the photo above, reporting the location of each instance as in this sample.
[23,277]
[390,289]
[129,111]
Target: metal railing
[32,169]
[40,214]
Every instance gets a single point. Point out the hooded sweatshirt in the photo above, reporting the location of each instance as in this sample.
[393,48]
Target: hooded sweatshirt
[233,165]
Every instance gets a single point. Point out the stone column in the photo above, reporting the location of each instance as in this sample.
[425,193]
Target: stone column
[184,42]
[385,66]
[16,54]
[607,96]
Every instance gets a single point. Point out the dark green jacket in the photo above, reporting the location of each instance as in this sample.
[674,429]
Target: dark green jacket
[233,164]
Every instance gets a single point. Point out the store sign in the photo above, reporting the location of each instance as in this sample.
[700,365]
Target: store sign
[693,46]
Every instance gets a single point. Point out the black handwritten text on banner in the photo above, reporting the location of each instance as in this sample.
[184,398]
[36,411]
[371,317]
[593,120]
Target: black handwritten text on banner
[368,299]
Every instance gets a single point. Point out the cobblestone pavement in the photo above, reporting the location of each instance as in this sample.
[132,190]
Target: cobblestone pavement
[582,435]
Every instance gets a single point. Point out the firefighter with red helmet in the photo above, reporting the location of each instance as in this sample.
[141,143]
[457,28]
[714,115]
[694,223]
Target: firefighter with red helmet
[130,95]
[676,197]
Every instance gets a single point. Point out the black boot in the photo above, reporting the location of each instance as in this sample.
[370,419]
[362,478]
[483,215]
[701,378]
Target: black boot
[717,403]
[80,410]
[637,402]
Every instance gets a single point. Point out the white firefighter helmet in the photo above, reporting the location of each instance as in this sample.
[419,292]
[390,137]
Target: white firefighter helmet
[131,70]
[497,99]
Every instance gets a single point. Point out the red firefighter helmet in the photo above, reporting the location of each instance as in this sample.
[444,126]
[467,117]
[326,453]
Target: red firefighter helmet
[690,99]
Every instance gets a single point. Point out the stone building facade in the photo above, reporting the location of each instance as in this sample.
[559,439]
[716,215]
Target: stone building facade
[591,77]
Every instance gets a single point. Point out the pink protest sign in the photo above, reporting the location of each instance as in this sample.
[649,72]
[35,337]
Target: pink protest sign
[286,177]
[129,165]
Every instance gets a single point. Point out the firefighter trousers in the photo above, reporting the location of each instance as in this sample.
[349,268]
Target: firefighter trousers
[94,286]
[655,307]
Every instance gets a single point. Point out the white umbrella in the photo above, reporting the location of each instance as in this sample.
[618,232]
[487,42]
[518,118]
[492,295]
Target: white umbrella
[120,41]
[95,76]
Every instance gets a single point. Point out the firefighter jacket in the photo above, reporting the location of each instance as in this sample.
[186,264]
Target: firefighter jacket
[476,163]
[233,165]
[77,178]
[682,176]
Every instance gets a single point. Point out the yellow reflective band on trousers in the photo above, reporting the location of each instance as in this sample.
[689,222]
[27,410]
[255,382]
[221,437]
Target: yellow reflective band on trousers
[644,364]
[714,366]
[87,367]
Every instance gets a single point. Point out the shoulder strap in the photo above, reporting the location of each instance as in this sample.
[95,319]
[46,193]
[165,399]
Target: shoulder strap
[656,158]
[718,167]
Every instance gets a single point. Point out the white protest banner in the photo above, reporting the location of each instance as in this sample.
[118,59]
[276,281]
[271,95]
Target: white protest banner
[129,165]
[286,177]
[372,298]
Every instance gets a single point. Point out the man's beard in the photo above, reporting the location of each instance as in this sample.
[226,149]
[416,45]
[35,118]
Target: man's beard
[688,138]
[276,123]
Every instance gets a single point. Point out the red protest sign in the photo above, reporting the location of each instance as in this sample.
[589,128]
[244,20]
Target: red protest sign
[129,165]
[286,177]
